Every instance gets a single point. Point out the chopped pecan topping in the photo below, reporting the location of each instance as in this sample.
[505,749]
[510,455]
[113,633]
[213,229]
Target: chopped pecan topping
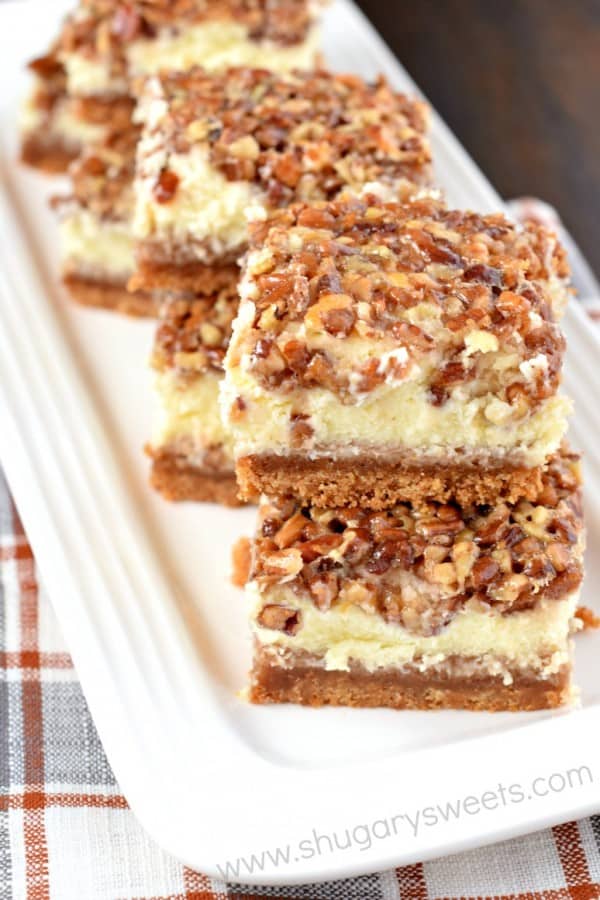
[472,300]
[284,22]
[50,83]
[102,176]
[324,587]
[48,68]
[237,410]
[303,136]
[450,375]
[127,23]
[241,561]
[301,431]
[290,531]
[193,333]
[559,555]
[418,566]
[166,186]
[103,29]
[282,564]
[279,618]
[333,313]
[587,617]
[484,571]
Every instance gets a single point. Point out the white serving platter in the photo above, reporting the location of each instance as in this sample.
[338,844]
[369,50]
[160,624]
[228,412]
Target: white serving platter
[158,634]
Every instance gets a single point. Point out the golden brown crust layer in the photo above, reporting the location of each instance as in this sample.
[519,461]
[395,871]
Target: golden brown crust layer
[49,155]
[315,686]
[190,277]
[378,484]
[173,477]
[108,295]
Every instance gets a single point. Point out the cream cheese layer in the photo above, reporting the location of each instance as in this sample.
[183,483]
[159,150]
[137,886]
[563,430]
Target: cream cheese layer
[535,639]
[217,45]
[213,45]
[207,213]
[63,123]
[400,412]
[392,418]
[189,412]
[95,247]
[88,76]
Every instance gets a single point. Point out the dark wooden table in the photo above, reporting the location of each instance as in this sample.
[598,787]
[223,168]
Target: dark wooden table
[518,81]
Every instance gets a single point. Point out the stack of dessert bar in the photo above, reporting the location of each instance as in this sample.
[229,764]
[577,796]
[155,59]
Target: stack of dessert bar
[381,370]
[96,242]
[391,389]
[84,99]
[215,150]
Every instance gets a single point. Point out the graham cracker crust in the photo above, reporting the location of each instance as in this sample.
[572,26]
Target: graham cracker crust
[378,483]
[189,277]
[49,155]
[403,689]
[173,477]
[108,295]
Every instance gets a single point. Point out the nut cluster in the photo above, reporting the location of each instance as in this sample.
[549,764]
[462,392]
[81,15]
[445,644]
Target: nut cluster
[418,566]
[431,285]
[194,332]
[305,136]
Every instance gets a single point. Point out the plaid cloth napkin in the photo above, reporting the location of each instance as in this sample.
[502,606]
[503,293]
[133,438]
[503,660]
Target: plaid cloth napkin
[66,832]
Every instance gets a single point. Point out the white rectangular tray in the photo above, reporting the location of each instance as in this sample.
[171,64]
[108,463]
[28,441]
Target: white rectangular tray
[159,636]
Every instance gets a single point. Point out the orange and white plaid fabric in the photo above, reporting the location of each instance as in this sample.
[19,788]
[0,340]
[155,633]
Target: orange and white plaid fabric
[66,832]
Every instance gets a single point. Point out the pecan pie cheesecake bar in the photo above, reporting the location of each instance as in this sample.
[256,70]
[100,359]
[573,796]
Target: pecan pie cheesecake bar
[191,451]
[84,85]
[217,148]
[97,248]
[105,44]
[41,145]
[419,607]
[386,352]
[55,127]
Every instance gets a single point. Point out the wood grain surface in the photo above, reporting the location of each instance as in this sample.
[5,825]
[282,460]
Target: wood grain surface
[518,81]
